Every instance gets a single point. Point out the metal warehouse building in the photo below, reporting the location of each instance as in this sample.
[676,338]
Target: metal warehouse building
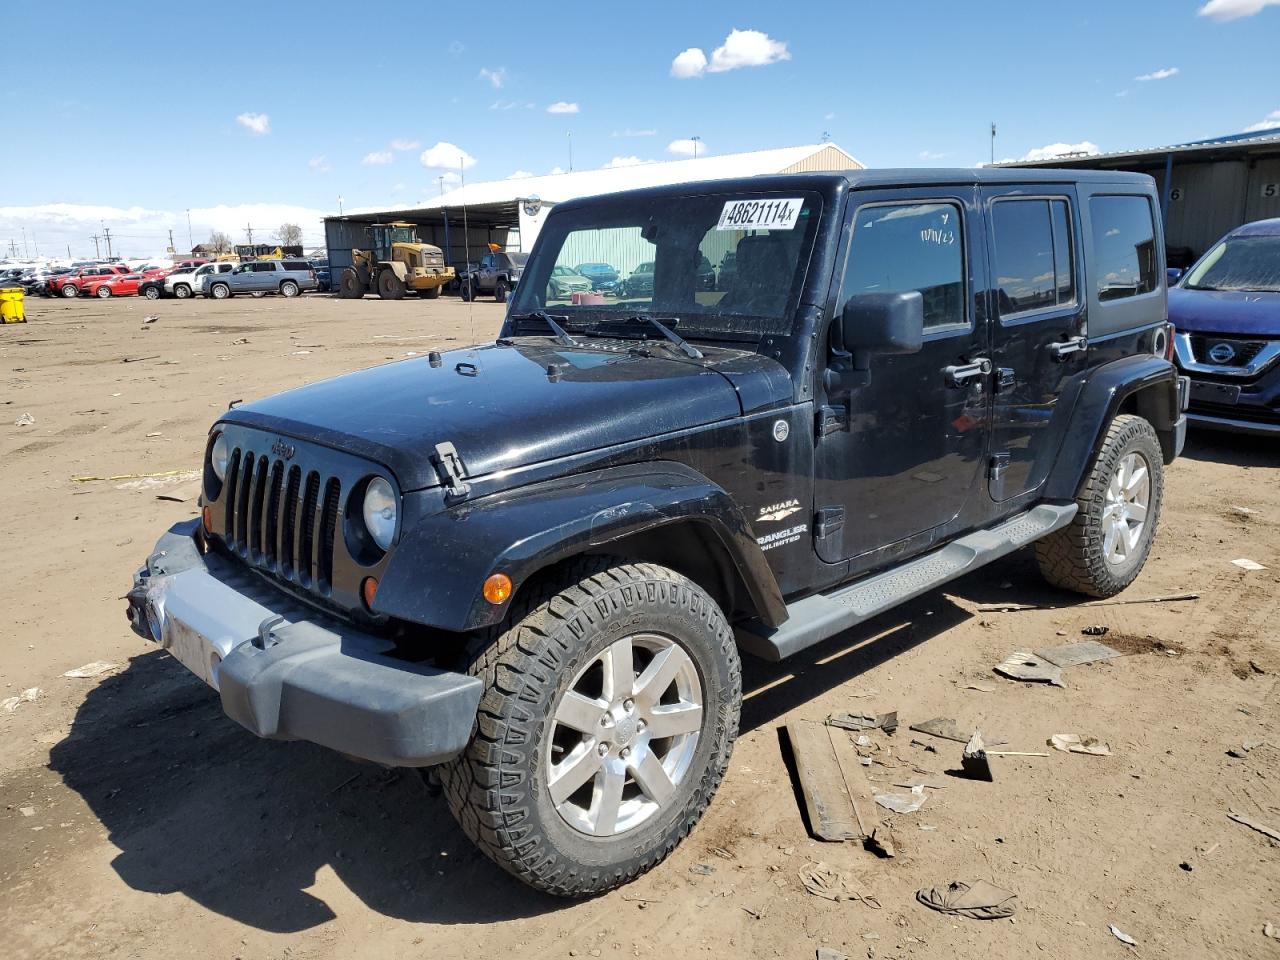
[510,212]
[1207,187]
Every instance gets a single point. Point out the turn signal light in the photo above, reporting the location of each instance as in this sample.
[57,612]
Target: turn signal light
[206,517]
[369,591]
[497,589]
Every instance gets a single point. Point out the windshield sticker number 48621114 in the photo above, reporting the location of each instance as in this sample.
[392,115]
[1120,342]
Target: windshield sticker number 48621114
[766,214]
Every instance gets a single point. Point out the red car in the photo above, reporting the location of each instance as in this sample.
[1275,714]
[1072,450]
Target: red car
[73,284]
[125,285]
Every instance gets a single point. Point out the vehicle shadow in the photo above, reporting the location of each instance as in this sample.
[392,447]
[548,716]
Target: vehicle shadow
[1241,450]
[245,827]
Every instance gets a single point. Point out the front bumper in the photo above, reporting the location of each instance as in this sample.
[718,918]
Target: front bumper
[286,672]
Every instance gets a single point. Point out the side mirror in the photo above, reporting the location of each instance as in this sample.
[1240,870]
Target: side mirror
[882,323]
[1173,275]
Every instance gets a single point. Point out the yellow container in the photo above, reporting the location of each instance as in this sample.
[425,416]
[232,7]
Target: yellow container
[11,309]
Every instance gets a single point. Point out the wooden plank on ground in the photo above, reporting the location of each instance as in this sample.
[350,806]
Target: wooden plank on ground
[826,797]
[855,781]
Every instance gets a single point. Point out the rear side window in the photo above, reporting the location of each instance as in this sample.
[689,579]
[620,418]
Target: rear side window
[1124,247]
[898,248]
[1035,266]
[296,265]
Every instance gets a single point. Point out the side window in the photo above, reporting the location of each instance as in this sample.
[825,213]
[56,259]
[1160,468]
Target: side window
[901,247]
[1124,247]
[1034,261]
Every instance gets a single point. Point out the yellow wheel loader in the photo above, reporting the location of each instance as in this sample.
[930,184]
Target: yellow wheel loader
[395,262]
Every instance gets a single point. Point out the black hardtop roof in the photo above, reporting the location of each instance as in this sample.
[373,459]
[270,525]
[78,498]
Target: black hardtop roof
[827,183]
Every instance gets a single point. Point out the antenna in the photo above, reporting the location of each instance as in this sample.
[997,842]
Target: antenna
[190,238]
[695,141]
[569,134]
[993,143]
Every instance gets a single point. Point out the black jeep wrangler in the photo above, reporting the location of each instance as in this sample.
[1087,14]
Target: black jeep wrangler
[532,564]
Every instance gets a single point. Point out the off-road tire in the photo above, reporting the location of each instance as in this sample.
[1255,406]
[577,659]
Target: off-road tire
[390,287]
[1073,558]
[497,789]
[467,291]
[500,291]
[349,285]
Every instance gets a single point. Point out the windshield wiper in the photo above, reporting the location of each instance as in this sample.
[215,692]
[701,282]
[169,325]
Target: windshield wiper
[561,335]
[688,349]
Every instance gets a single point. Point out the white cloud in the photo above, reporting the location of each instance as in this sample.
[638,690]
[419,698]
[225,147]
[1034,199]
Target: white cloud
[628,132]
[689,63]
[379,158]
[1272,119]
[402,144]
[747,48]
[555,171]
[1049,151]
[562,106]
[931,155]
[256,123]
[446,156]
[450,178]
[1234,9]
[1163,74]
[519,175]
[319,164]
[509,104]
[688,148]
[631,161]
[496,76]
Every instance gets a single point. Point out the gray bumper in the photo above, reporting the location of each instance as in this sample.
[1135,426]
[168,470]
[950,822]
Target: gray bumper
[285,672]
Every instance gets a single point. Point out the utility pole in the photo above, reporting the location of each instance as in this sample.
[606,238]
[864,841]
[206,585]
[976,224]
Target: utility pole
[97,253]
[993,143]
[249,228]
[339,204]
[26,252]
[570,136]
[171,249]
[13,248]
[68,251]
[441,179]
[190,238]
[35,243]
[107,236]
[696,141]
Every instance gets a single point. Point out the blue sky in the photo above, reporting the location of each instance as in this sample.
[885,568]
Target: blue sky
[133,118]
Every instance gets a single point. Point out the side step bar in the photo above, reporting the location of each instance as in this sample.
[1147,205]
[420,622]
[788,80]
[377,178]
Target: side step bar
[814,619]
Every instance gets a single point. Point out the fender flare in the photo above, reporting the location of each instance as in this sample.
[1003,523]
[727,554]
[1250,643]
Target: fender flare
[435,574]
[1102,393]
[396,267]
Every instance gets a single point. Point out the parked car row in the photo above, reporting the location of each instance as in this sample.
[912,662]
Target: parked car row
[218,280]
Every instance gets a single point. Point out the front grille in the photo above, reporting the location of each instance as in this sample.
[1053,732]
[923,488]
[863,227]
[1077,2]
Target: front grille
[1243,352]
[277,520]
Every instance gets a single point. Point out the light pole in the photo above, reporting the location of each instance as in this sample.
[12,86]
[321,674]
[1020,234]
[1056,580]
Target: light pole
[993,143]
[569,134]
[696,141]
[190,238]
[339,204]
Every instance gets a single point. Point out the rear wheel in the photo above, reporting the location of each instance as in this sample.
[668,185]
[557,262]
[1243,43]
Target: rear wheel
[500,291]
[431,293]
[182,291]
[103,292]
[349,286]
[152,293]
[1104,548]
[609,713]
[390,287]
[71,291]
[289,289]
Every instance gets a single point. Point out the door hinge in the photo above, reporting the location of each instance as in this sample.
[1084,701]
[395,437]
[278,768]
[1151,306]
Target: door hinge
[452,474]
[995,475]
[832,419]
[828,522]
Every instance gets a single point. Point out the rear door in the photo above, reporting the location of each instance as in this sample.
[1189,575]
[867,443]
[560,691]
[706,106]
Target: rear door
[1039,330]
[908,453]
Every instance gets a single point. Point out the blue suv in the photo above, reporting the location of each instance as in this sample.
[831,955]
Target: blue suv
[1226,310]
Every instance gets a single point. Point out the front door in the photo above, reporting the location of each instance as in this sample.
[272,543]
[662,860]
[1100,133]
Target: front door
[1038,329]
[903,452]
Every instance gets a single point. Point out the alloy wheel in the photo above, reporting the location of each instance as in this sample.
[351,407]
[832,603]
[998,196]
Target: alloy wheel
[1124,515]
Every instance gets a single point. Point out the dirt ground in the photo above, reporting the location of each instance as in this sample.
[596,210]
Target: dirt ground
[137,821]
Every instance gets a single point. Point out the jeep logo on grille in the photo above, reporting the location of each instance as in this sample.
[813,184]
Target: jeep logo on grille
[284,451]
[1222,353]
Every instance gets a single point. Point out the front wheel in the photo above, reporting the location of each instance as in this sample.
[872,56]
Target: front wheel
[289,289]
[609,713]
[1104,548]
[152,293]
[431,293]
[103,292]
[71,291]
[220,291]
[390,287]
[500,291]
[466,291]
[182,291]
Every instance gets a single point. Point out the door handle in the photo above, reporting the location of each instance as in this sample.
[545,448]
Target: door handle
[959,374]
[1064,348]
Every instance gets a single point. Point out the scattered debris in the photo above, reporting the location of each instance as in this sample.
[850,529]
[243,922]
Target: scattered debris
[977,900]
[1074,743]
[921,782]
[182,493]
[1077,654]
[821,881]
[26,696]
[888,722]
[1243,511]
[95,669]
[151,318]
[1256,667]
[1271,930]
[1021,607]
[25,420]
[27,811]
[1023,665]
[138,359]
[881,842]
[722,853]
[944,728]
[1262,828]
[974,761]
[925,746]
[137,476]
[1096,630]
[835,793]
[1121,935]
[1016,753]
[702,869]
[826,953]
[903,803]
[754,914]
[1244,563]
[981,687]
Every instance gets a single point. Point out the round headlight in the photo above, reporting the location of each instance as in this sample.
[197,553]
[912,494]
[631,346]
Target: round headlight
[219,456]
[380,508]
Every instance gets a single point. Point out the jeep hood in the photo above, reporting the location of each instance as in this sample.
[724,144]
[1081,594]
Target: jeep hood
[1225,311]
[520,402]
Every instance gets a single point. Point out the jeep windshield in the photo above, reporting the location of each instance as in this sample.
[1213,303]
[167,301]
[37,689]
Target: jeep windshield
[663,250]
